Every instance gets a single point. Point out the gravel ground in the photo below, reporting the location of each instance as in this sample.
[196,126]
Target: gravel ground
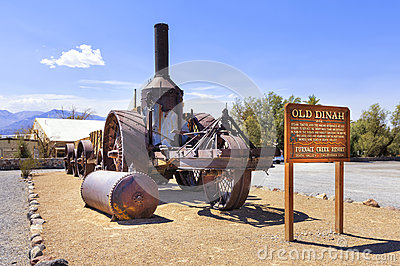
[14,227]
[377,180]
[185,231]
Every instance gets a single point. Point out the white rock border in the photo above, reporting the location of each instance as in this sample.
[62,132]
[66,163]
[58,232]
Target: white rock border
[37,246]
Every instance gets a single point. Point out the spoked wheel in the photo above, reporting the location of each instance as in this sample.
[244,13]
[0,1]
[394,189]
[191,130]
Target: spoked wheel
[85,158]
[230,189]
[74,163]
[69,151]
[117,155]
[189,179]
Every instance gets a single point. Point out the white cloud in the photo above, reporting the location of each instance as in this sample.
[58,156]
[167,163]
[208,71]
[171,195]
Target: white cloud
[73,58]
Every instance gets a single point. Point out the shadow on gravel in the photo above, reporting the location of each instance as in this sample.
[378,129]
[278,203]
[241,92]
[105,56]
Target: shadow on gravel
[378,248]
[384,246]
[155,219]
[256,215]
[172,193]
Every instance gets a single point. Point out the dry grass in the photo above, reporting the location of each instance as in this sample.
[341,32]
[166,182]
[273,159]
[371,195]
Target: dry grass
[186,231]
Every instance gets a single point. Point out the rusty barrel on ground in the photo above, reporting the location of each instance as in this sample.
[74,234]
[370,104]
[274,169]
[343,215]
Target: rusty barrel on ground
[123,195]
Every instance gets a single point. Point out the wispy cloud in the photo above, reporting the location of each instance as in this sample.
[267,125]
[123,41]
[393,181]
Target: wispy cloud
[232,96]
[73,58]
[203,95]
[203,88]
[46,102]
[110,82]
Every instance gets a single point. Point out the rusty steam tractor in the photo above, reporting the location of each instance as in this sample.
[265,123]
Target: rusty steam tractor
[155,142]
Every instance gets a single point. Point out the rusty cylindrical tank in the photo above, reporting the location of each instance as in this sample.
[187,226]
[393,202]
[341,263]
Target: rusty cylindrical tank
[123,195]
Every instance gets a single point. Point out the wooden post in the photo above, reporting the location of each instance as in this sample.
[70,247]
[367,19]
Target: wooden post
[339,180]
[289,202]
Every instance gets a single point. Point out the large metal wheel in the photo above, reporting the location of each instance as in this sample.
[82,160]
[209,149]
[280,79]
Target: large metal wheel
[228,190]
[124,142]
[204,120]
[85,158]
[69,151]
[74,163]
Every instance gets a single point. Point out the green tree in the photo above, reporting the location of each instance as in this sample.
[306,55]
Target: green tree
[255,118]
[313,100]
[371,134]
[394,146]
[262,119]
[277,104]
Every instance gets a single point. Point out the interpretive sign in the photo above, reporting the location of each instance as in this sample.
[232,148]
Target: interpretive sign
[316,133]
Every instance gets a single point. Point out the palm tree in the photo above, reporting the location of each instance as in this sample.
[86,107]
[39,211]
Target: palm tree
[313,100]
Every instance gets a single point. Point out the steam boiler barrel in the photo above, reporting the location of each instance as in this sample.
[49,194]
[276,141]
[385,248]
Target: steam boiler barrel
[123,195]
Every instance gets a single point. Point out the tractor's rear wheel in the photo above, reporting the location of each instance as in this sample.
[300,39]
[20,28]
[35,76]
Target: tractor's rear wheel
[125,142]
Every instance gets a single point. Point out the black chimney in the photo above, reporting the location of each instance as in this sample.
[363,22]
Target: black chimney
[161,49]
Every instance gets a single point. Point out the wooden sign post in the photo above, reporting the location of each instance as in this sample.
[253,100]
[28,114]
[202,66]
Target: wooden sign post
[315,133]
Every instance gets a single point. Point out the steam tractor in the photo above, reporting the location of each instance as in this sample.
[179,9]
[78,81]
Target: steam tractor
[158,141]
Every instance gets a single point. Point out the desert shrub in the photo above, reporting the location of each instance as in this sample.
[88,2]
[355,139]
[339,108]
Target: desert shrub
[26,166]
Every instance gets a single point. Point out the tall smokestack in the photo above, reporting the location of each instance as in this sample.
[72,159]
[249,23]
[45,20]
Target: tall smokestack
[161,49]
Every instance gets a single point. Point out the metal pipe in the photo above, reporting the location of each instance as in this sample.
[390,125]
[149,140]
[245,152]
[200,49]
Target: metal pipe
[161,49]
[150,127]
[134,100]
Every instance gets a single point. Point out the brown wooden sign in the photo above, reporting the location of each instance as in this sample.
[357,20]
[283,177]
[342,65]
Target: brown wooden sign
[316,133]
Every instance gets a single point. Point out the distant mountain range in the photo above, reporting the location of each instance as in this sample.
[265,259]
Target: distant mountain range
[13,122]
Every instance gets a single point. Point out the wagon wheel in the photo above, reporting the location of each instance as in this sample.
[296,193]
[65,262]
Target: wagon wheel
[75,171]
[230,189]
[69,150]
[85,161]
[117,153]
[189,179]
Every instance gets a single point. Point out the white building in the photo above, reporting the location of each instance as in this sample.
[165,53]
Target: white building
[57,132]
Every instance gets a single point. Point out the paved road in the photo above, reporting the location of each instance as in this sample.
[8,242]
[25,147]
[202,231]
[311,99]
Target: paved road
[14,227]
[377,180]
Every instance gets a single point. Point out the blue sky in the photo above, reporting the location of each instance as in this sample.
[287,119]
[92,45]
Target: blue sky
[345,52]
